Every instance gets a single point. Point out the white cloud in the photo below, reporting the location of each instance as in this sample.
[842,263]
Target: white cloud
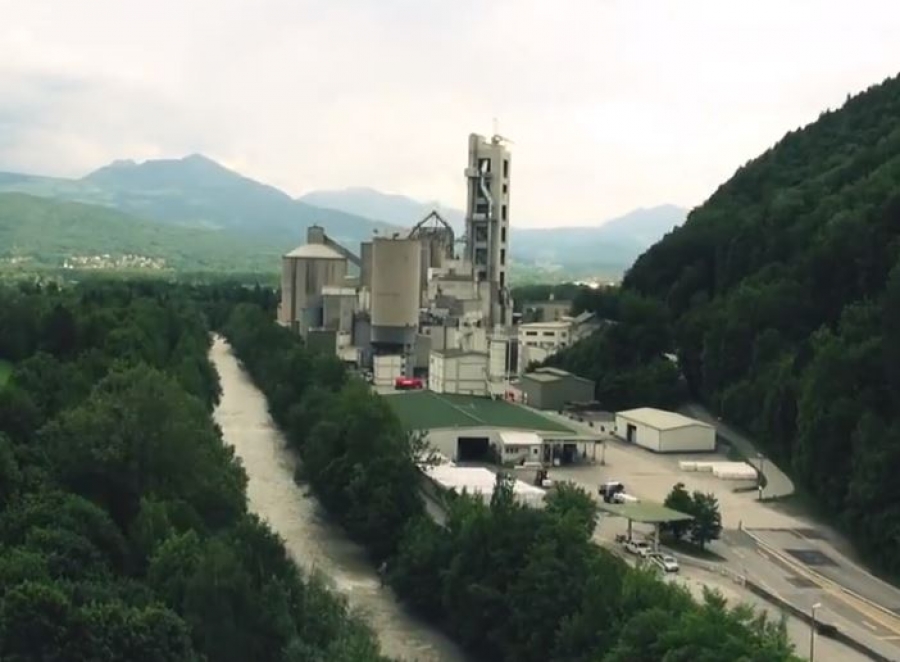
[612,104]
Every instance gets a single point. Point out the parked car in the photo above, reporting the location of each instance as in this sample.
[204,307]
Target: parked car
[666,562]
[610,489]
[621,497]
[639,547]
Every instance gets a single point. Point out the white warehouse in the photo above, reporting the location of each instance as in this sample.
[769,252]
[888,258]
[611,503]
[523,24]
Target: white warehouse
[665,431]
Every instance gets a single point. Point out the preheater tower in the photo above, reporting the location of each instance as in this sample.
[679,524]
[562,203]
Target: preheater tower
[487,223]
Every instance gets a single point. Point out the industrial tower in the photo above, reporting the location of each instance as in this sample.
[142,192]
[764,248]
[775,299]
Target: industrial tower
[487,224]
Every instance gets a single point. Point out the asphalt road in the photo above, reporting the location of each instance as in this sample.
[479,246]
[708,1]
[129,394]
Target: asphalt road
[763,557]
[778,484]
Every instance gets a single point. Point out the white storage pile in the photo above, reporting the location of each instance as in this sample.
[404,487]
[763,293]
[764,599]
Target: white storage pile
[481,482]
[723,470]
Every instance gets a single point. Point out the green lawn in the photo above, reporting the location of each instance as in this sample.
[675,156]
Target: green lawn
[5,372]
[426,410]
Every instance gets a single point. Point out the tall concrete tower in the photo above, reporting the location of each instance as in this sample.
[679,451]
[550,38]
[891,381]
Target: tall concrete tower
[487,223]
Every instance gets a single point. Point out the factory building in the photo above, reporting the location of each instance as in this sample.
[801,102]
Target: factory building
[552,389]
[538,341]
[458,371]
[426,300]
[665,431]
[487,223]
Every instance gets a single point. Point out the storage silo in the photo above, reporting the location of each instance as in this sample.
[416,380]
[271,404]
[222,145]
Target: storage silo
[396,291]
[305,271]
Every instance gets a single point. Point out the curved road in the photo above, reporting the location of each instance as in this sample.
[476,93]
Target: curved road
[778,484]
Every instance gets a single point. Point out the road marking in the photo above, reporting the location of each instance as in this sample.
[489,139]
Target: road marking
[869,625]
[739,554]
[878,613]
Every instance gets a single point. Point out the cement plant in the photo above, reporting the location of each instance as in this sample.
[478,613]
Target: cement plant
[428,308]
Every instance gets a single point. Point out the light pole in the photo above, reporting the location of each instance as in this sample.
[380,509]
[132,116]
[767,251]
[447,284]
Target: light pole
[812,632]
[759,478]
[603,453]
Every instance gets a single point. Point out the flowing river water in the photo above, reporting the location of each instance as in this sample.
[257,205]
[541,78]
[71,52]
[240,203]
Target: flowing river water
[314,542]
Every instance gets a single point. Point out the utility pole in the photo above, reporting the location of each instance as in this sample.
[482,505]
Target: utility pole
[759,477]
[812,632]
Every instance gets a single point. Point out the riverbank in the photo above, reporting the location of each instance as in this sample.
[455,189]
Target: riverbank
[315,543]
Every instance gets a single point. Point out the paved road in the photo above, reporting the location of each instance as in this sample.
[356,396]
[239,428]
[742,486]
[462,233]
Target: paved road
[778,484]
[783,575]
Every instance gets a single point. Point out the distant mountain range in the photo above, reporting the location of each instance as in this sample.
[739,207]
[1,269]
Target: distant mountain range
[615,243]
[197,193]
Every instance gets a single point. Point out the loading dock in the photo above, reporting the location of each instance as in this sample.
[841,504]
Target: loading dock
[473,449]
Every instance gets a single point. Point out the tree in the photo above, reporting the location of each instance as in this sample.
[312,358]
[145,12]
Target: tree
[707,522]
[679,499]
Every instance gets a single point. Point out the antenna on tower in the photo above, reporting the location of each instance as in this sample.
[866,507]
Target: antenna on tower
[497,138]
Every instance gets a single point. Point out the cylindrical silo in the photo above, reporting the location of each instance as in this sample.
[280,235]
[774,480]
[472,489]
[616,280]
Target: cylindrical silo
[396,290]
[305,271]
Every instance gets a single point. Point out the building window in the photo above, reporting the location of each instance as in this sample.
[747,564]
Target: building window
[503,235]
[549,334]
[480,256]
[502,279]
[505,168]
[502,256]
[503,212]
[481,233]
[505,189]
[531,333]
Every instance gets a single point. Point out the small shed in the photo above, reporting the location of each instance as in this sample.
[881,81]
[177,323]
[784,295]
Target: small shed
[665,431]
[552,388]
[517,446]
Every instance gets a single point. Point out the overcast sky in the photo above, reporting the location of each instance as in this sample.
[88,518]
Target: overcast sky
[611,104]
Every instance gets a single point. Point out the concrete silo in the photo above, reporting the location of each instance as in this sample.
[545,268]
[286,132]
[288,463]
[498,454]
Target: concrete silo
[396,294]
[305,271]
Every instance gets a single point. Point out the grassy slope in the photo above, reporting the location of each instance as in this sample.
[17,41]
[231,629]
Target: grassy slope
[48,231]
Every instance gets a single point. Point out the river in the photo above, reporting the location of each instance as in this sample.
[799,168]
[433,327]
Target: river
[312,540]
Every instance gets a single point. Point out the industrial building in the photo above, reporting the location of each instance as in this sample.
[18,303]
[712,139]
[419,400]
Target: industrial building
[665,431]
[421,301]
[458,371]
[538,341]
[552,389]
[475,429]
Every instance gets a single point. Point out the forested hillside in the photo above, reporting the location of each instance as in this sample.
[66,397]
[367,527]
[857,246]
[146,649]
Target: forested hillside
[38,234]
[124,532]
[784,292]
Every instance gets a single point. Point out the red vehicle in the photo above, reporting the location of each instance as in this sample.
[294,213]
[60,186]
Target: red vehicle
[408,383]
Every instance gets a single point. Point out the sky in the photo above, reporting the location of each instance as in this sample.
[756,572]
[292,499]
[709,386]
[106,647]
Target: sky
[611,104]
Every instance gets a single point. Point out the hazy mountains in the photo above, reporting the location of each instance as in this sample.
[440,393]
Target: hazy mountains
[612,245]
[388,207]
[198,193]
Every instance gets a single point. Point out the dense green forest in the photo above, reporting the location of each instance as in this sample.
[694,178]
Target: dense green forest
[124,532]
[506,581]
[783,291]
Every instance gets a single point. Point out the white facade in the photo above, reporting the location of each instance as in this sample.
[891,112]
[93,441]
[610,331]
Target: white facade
[458,372]
[540,340]
[386,369]
[664,431]
[520,447]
